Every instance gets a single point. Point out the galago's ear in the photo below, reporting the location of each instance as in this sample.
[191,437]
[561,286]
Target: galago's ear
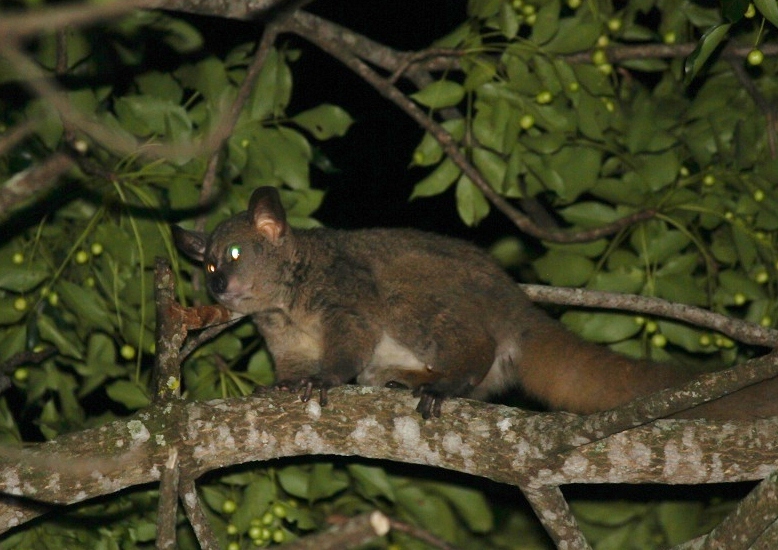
[191,243]
[267,213]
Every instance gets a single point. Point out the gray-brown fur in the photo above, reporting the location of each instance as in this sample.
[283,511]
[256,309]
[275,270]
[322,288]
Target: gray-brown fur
[400,307]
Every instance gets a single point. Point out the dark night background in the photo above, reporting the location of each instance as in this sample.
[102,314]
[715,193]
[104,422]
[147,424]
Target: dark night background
[374,182]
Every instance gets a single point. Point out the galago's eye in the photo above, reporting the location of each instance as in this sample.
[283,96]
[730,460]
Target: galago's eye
[234,252]
[210,268]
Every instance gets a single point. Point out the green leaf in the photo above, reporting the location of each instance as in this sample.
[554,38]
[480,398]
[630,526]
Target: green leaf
[657,243]
[491,166]
[601,327]
[483,8]
[179,34]
[9,315]
[470,504]
[683,336]
[624,280]
[709,42]
[160,85]
[12,341]
[324,121]
[86,304]
[21,279]
[278,155]
[590,214]
[439,94]
[745,246]
[564,268]
[100,356]
[547,24]
[257,497]
[769,9]
[478,71]
[208,77]
[680,288]
[372,482]
[574,35]
[577,170]
[438,181]
[429,151]
[65,343]
[508,21]
[431,511]
[147,115]
[294,480]
[325,481]
[128,393]
[273,90]
[680,520]
[471,203]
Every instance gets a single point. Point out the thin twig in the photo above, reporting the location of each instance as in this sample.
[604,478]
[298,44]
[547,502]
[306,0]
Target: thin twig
[743,331]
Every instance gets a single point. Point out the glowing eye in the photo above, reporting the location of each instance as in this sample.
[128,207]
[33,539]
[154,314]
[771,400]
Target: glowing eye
[210,268]
[234,252]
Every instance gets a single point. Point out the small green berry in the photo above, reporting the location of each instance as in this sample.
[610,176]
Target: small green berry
[268,518]
[750,11]
[17,258]
[614,24]
[279,536]
[758,195]
[232,529]
[255,532]
[659,340]
[96,249]
[21,374]
[739,298]
[279,510]
[233,545]
[82,257]
[755,57]
[651,327]
[705,340]
[81,146]
[725,343]
[709,180]
[669,37]
[20,304]
[574,4]
[418,157]
[762,276]
[228,506]
[766,321]
[526,122]
[599,57]
[128,352]
[544,97]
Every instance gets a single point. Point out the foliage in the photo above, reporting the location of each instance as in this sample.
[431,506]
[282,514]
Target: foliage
[596,141]
[547,117]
